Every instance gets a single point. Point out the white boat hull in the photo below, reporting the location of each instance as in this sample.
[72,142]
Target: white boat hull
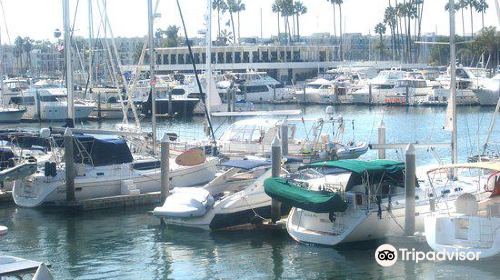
[11,115]
[107,181]
[464,234]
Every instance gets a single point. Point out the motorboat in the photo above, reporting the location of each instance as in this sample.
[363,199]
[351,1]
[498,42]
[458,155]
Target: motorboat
[254,137]
[378,88]
[235,199]
[105,167]
[11,115]
[441,96]
[108,104]
[319,91]
[41,104]
[260,87]
[489,93]
[470,224]
[346,201]
[178,99]
[407,91]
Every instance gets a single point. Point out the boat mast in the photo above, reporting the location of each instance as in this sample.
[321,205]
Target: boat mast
[91,35]
[453,86]
[208,55]
[69,65]
[152,75]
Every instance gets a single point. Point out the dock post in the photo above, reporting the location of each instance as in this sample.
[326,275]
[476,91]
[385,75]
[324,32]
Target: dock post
[369,94]
[169,102]
[336,93]
[407,93]
[284,138]
[410,179]
[165,167]
[69,162]
[276,170]
[99,113]
[381,139]
[304,93]
[274,93]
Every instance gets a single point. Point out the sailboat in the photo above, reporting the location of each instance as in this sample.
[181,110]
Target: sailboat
[470,223]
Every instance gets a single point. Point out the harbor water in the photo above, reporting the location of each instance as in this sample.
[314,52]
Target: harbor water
[131,244]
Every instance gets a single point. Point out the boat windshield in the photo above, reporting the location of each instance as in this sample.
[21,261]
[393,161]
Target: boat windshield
[314,86]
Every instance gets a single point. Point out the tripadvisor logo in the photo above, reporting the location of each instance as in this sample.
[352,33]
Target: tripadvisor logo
[387,255]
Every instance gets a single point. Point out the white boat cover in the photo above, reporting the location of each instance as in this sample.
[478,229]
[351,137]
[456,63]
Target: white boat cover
[185,203]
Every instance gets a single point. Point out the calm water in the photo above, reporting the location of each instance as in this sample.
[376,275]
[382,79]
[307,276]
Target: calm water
[130,244]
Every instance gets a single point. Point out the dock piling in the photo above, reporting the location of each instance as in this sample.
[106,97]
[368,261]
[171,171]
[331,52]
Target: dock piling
[99,109]
[381,139]
[276,170]
[410,179]
[165,167]
[370,94]
[284,138]
[69,162]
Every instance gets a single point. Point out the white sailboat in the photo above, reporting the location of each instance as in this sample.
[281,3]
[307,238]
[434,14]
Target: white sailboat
[467,225]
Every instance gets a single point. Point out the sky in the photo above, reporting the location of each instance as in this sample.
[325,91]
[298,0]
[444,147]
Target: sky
[39,18]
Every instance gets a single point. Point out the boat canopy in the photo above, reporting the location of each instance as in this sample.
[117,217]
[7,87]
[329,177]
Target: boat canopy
[296,196]
[372,171]
[245,164]
[493,166]
[106,150]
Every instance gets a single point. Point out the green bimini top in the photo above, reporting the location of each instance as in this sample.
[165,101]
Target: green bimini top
[296,196]
[365,171]
[361,166]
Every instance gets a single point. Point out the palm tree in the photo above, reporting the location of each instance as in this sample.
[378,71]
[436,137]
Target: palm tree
[287,10]
[231,7]
[220,6]
[458,6]
[19,42]
[391,21]
[380,30]
[276,8]
[27,46]
[299,9]
[240,7]
[481,7]
[471,4]
[226,36]
[334,18]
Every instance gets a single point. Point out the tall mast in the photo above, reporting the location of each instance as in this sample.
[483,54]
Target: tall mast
[69,64]
[208,55]
[453,86]
[91,35]
[152,74]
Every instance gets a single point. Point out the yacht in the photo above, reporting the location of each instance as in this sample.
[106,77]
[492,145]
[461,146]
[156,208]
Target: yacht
[254,137]
[319,91]
[260,87]
[378,88]
[235,199]
[105,166]
[108,103]
[489,93]
[181,95]
[345,201]
[407,91]
[441,96]
[41,104]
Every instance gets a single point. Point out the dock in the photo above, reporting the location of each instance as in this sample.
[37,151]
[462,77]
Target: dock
[111,202]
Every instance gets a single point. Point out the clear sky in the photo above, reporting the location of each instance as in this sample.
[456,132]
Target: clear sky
[38,18]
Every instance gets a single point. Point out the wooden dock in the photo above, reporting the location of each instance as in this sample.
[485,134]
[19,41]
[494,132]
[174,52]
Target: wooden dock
[112,202]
